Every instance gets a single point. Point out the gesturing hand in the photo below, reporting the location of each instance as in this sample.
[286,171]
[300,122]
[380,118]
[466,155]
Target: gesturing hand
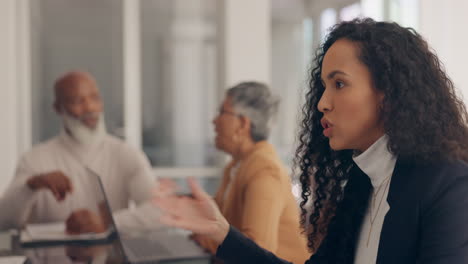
[198,213]
[84,221]
[57,182]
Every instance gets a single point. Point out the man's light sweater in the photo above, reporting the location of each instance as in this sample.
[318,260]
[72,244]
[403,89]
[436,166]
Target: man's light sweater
[124,171]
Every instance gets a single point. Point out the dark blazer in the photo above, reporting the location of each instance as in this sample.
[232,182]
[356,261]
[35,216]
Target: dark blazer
[427,221]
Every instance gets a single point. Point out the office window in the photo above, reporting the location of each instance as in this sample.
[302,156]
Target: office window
[179,82]
[68,35]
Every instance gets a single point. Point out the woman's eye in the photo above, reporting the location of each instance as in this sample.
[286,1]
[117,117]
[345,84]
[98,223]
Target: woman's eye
[339,84]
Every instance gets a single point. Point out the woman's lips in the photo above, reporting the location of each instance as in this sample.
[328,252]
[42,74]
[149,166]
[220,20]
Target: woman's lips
[327,127]
[327,132]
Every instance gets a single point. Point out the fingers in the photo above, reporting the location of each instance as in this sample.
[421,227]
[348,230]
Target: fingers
[164,195]
[167,204]
[164,188]
[59,184]
[72,225]
[84,221]
[63,182]
[174,221]
[68,184]
[166,182]
[77,221]
[57,194]
[197,191]
[59,190]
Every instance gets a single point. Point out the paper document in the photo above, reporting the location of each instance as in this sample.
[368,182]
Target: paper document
[56,232]
[12,260]
[5,240]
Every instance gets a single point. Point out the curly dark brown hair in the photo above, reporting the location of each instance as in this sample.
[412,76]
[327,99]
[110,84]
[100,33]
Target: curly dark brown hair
[421,114]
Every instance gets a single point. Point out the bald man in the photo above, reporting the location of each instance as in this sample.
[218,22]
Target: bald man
[53,181]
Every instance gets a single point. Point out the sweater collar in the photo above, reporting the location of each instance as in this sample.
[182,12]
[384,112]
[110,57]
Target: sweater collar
[82,152]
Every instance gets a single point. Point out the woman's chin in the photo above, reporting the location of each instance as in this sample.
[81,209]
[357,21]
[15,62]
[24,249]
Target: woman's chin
[336,144]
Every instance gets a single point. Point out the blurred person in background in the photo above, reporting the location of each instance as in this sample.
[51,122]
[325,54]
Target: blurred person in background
[52,181]
[255,194]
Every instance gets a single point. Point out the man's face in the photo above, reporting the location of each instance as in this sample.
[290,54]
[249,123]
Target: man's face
[82,101]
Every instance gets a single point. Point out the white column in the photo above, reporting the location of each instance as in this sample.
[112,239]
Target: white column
[289,77]
[246,38]
[186,43]
[24,78]
[8,88]
[444,27]
[132,73]
[315,15]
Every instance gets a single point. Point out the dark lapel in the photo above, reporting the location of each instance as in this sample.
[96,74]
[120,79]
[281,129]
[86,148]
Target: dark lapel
[400,188]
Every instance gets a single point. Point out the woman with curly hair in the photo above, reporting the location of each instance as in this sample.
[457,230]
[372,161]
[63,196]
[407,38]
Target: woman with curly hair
[383,158]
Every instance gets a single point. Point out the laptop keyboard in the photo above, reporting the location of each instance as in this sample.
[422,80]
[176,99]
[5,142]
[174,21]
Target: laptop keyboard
[146,248]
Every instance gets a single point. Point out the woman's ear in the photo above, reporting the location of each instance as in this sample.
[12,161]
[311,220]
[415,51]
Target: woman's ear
[245,124]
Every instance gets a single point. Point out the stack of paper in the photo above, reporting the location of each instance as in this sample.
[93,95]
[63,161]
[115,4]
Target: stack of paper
[12,260]
[55,232]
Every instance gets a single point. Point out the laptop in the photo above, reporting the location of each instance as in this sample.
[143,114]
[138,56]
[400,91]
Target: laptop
[162,245]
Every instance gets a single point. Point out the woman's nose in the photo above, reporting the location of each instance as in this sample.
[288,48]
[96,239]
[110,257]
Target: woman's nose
[324,104]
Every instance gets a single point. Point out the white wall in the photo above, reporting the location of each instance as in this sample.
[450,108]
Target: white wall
[8,81]
[444,25]
[247,41]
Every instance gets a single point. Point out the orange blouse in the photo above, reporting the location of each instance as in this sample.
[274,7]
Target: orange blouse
[259,203]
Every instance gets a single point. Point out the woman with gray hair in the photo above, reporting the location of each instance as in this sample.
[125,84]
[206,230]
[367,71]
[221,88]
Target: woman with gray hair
[255,193]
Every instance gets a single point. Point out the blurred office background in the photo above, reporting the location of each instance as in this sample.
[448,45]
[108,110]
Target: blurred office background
[163,65]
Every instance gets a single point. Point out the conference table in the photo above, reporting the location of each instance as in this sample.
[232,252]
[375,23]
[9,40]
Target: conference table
[108,252]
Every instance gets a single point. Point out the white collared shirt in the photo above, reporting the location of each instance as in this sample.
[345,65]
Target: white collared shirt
[378,163]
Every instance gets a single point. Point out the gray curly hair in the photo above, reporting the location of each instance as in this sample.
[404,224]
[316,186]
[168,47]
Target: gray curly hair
[255,101]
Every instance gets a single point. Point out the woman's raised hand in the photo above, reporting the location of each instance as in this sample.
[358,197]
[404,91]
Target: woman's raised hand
[197,213]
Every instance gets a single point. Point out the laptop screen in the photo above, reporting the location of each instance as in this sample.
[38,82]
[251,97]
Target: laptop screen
[159,244]
[103,206]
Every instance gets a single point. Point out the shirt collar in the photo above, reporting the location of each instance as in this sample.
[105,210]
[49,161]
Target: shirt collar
[377,161]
